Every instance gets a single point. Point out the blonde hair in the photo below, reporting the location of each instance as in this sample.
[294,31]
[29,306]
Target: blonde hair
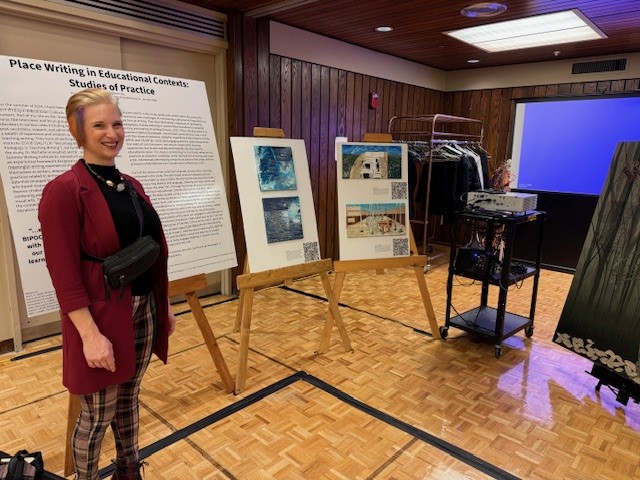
[78,102]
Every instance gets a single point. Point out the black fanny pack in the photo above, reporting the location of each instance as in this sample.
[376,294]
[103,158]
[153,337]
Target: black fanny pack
[123,267]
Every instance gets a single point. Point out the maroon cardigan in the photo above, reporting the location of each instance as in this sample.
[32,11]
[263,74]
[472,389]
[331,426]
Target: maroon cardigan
[73,215]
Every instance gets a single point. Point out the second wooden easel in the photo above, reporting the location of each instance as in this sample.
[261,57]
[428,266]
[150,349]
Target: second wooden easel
[248,282]
[417,262]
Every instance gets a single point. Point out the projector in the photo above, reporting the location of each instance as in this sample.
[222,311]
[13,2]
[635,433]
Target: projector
[502,201]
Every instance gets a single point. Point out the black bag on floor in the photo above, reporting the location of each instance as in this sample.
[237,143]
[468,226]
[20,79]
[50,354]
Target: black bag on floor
[22,466]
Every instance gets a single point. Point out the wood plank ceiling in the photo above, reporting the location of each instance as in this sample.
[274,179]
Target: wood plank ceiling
[419,26]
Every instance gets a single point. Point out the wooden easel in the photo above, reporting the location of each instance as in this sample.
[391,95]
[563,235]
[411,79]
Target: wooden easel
[187,287]
[417,262]
[73,411]
[248,282]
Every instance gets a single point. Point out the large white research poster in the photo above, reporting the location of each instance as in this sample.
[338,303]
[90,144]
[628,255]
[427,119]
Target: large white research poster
[170,147]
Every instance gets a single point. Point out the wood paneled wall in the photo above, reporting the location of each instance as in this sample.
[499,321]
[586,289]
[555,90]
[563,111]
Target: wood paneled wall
[318,103]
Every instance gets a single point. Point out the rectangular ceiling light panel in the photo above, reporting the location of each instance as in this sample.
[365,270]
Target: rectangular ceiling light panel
[551,29]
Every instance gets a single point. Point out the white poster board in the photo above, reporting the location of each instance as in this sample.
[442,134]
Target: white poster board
[276,200]
[169,147]
[373,220]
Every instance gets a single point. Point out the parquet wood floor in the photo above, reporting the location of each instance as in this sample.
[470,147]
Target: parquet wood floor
[400,406]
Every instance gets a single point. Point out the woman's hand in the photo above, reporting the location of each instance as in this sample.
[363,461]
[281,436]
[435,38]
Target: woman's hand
[98,352]
[97,349]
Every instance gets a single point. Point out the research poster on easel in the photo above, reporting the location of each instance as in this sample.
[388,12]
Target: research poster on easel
[277,203]
[169,147]
[372,200]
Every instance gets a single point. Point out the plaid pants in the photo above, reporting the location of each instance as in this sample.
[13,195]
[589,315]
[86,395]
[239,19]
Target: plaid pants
[116,405]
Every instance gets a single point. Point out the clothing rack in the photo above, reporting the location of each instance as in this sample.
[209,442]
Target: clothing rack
[457,142]
[432,129]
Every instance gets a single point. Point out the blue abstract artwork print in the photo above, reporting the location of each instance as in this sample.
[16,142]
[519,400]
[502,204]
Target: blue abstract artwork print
[282,219]
[275,168]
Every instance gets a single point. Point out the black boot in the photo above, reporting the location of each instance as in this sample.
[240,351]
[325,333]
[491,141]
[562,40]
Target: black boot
[132,472]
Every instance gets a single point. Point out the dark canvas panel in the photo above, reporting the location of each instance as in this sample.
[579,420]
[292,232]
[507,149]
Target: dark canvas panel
[601,317]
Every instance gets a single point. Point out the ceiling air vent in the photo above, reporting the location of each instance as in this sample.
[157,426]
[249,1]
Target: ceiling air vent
[156,13]
[615,65]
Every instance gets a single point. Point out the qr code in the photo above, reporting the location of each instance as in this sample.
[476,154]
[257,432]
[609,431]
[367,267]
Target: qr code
[400,247]
[311,251]
[399,190]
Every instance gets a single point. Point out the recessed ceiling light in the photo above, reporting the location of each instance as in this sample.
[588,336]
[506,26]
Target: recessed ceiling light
[384,29]
[484,9]
[473,60]
[551,29]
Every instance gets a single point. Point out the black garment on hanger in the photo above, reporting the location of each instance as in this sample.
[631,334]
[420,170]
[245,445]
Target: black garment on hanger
[484,162]
[474,175]
[445,179]
[451,180]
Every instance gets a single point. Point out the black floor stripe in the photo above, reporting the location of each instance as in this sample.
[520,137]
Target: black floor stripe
[207,421]
[222,469]
[35,354]
[227,300]
[443,445]
[391,460]
[355,309]
[449,448]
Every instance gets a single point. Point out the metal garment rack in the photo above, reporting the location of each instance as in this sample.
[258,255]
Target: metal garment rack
[431,128]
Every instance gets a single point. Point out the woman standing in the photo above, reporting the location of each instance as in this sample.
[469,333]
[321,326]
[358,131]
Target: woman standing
[108,337]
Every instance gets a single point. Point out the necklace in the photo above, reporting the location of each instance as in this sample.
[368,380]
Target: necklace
[119,187]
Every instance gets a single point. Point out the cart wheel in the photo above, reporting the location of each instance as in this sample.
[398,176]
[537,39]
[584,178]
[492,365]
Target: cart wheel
[528,331]
[498,351]
[444,331]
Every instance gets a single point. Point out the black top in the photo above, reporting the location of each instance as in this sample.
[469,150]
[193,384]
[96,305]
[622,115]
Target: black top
[126,220]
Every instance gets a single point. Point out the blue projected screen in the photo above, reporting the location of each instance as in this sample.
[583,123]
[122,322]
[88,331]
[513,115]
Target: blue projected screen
[567,145]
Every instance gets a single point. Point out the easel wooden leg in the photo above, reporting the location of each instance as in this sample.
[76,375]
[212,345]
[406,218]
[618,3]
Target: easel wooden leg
[210,341]
[245,269]
[72,417]
[335,313]
[328,323]
[188,287]
[426,300]
[236,325]
[245,328]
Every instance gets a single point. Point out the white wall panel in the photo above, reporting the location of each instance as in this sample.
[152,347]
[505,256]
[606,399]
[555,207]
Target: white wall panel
[49,31]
